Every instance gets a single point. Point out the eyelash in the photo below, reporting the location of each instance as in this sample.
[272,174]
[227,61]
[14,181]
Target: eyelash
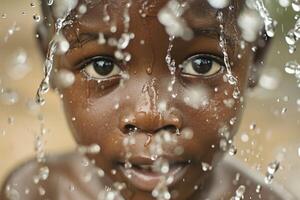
[218,58]
[86,62]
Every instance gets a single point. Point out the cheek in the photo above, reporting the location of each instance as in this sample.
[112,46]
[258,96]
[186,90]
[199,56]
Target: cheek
[207,109]
[90,118]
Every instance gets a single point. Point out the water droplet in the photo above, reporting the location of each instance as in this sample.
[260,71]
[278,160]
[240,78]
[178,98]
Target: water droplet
[113,172]
[9,97]
[161,191]
[239,193]
[91,149]
[42,191]
[187,133]
[219,4]
[12,193]
[206,166]
[175,25]
[82,9]
[252,126]
[245,137]
[271,170]
[36,17]
[232,150]
[64,78]
[269,22]
[296,5]
[50,2]
[258,189]
[101,39]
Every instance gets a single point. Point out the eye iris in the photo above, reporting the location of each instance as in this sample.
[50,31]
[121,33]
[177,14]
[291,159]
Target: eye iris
[202,65]
[103,67]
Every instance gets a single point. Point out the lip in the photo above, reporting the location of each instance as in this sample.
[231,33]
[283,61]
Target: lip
[146,179]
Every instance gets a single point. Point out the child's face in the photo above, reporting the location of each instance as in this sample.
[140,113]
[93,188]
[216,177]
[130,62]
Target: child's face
[104,112]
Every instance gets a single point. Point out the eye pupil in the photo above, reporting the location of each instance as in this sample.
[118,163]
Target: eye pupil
[103,67]
[202,65]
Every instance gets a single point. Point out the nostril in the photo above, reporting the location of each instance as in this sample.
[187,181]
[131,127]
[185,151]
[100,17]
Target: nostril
[129,128]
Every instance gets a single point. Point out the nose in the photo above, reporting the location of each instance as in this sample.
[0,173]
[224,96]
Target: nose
[147,116]
[151,122]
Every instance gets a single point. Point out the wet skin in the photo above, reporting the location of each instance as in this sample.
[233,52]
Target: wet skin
[90,106]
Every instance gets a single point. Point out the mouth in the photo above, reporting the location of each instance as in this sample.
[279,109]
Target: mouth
[144,175]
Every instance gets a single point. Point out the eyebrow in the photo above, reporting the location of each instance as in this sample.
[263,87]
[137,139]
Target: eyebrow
[214,33]
[84,38]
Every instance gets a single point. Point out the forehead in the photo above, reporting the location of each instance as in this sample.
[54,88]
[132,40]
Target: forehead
[199,16]
[197,9]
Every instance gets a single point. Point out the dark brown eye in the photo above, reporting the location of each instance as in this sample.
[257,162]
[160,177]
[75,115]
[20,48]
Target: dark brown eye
[101,68]
[201,65]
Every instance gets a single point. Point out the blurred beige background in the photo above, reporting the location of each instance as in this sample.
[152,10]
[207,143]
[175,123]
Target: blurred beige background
[275,112]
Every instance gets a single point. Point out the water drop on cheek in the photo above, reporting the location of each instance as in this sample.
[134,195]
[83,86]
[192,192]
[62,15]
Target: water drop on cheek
[148,141]
[149,70]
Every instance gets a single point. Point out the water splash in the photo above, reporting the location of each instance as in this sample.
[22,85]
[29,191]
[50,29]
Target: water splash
[229,77]
[161,165]
[239,193]
[171,65]
[293,36]
[293,68]
[175,25]
[127,142]
[271,170]
[265,15]
[161,192]
[250,24]
[44,171]
[57,43]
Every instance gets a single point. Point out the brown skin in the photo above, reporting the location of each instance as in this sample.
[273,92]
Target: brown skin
[92,104]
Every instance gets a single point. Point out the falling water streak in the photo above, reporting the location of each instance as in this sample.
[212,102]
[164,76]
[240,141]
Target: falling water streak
[48,65]
[44,171]
[175,26]
[161,165]
[171,65]
[268,21]
[122,43]
[127,142]
[293,36]
[126,16]
[229,76]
